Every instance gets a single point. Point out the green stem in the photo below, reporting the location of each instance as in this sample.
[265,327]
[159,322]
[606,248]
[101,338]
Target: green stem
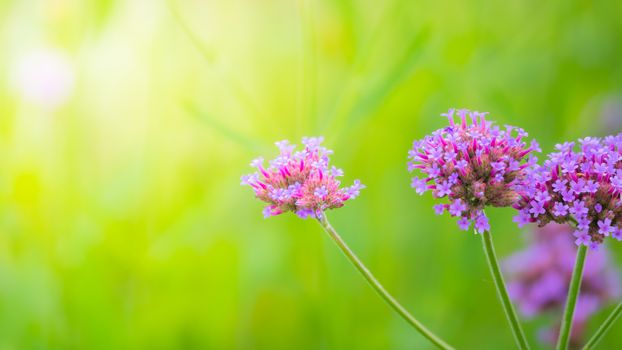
[604,328]
[378,287]
[571,300]
[508,308]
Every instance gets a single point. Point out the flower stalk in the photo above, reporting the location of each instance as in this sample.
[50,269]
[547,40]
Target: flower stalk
[497,276]
[571,300]
[373,282]
[604,328]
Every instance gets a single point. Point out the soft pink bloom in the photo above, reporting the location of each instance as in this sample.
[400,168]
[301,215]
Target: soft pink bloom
[538,279]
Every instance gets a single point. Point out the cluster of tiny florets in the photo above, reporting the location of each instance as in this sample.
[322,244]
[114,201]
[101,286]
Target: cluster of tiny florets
[473,163]
[538,279]
[582,187]
[300,181]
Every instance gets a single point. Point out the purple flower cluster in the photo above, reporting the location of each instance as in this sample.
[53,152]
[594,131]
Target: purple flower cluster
[473,163]
[538,278]
[581,187]
[301,181]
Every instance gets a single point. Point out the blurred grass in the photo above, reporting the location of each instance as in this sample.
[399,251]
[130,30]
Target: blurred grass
[124,225]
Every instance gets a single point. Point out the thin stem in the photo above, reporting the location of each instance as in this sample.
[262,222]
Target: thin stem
[571,299]
[508,308]
[378,287]
[604,328]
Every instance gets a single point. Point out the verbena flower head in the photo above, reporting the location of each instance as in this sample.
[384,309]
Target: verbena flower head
[300,181]
[473,163]
[577,186]
[538,279]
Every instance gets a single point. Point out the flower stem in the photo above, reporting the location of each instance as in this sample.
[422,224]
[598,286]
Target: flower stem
[508,308]
[571,299]
[378,287]
[604,328]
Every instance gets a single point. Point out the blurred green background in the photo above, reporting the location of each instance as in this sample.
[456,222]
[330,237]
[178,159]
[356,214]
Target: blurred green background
[123,222]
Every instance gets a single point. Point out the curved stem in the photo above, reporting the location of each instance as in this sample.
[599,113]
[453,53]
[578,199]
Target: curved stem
[378,287]
[604,328]
[508,308]
[571,299]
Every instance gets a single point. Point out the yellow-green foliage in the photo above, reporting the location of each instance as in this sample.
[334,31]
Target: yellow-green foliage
[122,221]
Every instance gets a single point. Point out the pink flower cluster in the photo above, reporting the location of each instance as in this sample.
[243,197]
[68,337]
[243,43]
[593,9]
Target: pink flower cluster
[473,163]
[538,279]
[301,181]
[581,187]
